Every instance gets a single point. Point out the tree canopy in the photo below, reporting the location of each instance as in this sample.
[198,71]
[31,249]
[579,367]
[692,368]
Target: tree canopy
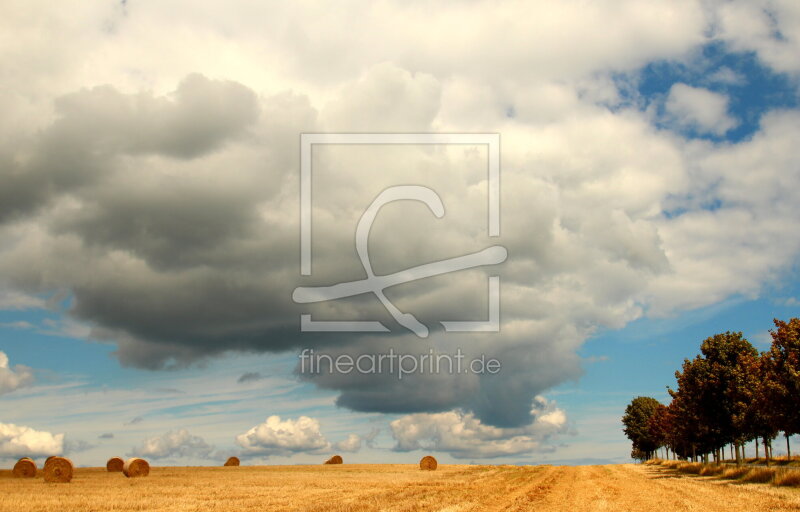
[728,394]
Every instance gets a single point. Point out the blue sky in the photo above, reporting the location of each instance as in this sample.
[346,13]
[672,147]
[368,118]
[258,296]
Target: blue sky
[149,221]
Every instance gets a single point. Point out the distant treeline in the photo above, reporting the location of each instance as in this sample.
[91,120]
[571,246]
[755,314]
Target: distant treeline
[730,394]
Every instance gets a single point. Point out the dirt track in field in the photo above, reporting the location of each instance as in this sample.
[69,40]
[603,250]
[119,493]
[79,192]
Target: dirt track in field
[396,488]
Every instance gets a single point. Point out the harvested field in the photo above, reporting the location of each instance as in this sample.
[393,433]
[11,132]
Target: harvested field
[353,487]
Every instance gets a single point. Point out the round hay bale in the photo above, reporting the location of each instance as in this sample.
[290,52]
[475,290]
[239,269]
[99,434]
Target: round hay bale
[232,461]
[58,470]
[114,465]
[336,459]
[428,463]
[49,458]
[24,468]
[135,467]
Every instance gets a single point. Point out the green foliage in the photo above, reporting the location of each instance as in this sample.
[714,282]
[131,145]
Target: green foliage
[636,421]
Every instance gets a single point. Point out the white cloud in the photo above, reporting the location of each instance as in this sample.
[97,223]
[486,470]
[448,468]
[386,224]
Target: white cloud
[173,444]
[464,436]
[20,441]
[695,107]
[350,445]
[769,27]
[11,300]
[727,76]
[276,437]
[716,253]
[13,378]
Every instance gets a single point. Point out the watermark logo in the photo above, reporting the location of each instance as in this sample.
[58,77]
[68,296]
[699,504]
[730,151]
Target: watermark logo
[398,364]
[376,284]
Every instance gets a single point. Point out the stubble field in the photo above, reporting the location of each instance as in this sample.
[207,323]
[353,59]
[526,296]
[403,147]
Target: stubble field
[394,488]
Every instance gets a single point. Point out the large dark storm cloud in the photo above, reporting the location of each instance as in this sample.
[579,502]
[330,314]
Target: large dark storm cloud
[167,215]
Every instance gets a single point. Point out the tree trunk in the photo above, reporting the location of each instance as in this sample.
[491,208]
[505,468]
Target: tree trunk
[694,455]
[788,448]
[738,458]
[766,450]
[756,449]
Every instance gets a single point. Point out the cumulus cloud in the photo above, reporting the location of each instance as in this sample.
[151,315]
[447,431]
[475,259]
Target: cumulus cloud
[95,127]
[173,444]
[350,445]
[464,436]
[19,441]
[163,201]
[700,109]
[284,437]
[13,378]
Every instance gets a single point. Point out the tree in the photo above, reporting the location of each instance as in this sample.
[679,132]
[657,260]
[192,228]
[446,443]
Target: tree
[727,386]
[637,454]
[660,427]
[692,433]
[729,394]
[636,421]
[712,399]
[783,369]
[759,409]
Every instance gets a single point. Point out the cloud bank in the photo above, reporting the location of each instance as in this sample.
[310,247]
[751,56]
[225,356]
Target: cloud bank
[464,436]
[160,191]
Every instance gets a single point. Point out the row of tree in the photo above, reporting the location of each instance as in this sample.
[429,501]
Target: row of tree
[729,394]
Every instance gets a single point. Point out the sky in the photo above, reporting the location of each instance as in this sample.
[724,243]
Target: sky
[150,178]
